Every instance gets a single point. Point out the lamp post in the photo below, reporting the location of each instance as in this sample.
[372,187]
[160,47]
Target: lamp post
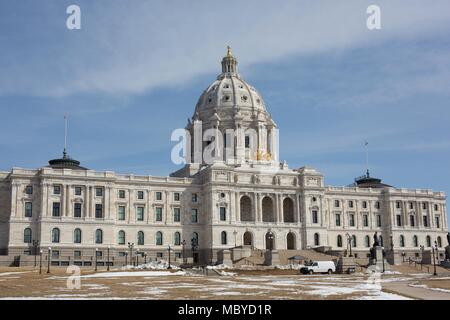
[130,246]
[40,261]
[183,243]
[434,258]
[107,261]
[235,241]
[48,259]
[35,245]
[96,257]
[169,249]
[349,243]
[145,258]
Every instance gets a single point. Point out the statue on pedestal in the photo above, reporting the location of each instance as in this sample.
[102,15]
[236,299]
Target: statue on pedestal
[376,240]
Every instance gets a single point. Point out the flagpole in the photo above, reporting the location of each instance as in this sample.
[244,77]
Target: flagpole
[367,158]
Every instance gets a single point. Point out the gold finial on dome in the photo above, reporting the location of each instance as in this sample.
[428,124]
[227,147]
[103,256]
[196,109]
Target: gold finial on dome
[229,53]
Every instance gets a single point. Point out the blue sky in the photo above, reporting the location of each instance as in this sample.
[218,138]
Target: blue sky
[135,70]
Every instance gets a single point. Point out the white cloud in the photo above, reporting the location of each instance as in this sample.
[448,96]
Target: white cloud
[132,48]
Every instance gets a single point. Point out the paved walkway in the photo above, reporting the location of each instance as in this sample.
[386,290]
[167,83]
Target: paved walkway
[402,288]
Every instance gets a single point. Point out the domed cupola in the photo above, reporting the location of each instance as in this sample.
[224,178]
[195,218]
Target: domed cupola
[232,104]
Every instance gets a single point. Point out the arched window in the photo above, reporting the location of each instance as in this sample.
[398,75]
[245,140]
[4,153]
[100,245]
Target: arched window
[288,210]
[121,237]
[415,241]
[428,241]
[140,238]
[339,241]
[291,241]
[367,241]
[223,237]
[99,236]
[402,241]
[268,213]
[439,242]
[55,235]
[354,241]
[77,236]
[316,239]
[27,235]
[177,239]
[246,209]
[194,239]
[159,238]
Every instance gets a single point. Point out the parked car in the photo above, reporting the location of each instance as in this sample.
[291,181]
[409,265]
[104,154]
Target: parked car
[319,267]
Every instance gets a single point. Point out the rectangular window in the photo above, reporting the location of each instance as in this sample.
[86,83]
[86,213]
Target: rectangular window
[56,189]
[350,204]
[77,191]
[28,209]
[399,220]
[315,216]
[223,213]
[412,221]
[247,141]
[352,220]
[377,205]
[436,208]
[159,255]
[437,222]
[366,220]
[194,197]
[158,195]
[378,221]
[140,195]
[176,214]
[55,254]
[56,209]
[176,196]
[338,220]
[411,205]
[158,214]
[77,254]
[425,221]
[98,211]
[397,204]
[121,194]
[194,216]
[140,213]
[29,190]
[336,203]
[77,210]
[424,206]
[121,213]
[99,192]
[364,204]
[99,254]
[178,255]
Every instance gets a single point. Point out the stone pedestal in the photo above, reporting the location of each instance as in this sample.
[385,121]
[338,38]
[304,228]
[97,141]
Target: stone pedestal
[394,257]
[226,258]
[427,257]
[377,261]
[346,263]
[271,258]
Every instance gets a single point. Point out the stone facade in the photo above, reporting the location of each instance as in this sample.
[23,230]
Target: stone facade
[241,200]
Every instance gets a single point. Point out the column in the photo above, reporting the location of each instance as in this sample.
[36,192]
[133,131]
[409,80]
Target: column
[256,206]
[87,195]
[280,196]
[67,200]
[430,214]
[44,195]
[14,195]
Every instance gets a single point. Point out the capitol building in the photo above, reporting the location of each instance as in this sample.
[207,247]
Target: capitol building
[238,201]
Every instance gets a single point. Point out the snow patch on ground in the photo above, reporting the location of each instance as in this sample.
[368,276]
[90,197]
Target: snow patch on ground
[424,286]
[153,265]
[134,274]
[13,273]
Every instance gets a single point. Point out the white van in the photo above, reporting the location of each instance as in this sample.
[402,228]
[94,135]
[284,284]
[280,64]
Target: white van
[319,267]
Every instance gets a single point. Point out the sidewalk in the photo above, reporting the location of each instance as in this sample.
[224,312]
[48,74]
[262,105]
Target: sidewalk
[402,288]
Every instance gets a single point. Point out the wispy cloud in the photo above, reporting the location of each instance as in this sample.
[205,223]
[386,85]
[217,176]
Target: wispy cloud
[132,48]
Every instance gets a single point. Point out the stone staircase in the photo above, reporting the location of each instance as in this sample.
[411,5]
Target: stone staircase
[306,254]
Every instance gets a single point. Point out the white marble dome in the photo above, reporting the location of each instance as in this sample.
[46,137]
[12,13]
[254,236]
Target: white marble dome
[229,92]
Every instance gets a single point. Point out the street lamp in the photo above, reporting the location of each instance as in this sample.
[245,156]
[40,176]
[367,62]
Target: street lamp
[145,258]
[130,246]
[35,245]
[434,258]
[40,261]
[235,241]
[169,249]
[48,259]
[349,243]
[107,262]
[183,243]
[96,257]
